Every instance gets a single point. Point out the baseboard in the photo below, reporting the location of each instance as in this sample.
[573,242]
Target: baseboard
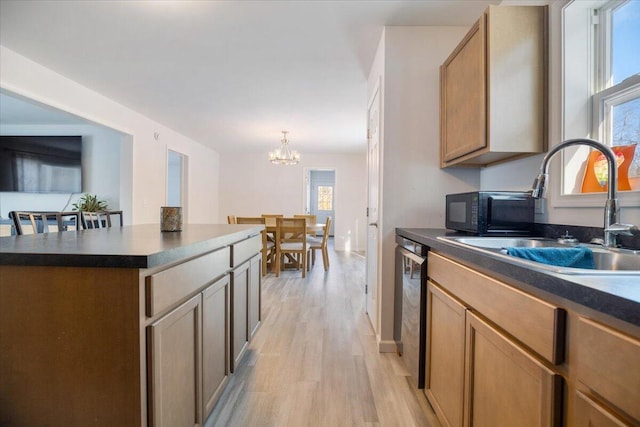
[388,346]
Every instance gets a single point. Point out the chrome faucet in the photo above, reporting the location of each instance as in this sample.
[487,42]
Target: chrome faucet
[611,209]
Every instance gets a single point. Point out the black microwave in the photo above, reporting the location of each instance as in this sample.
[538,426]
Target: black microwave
[491,212]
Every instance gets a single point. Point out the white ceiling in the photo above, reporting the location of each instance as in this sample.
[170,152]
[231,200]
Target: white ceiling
[229,74]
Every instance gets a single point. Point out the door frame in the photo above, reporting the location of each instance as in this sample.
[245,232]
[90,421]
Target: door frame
[376,94]
[184,168]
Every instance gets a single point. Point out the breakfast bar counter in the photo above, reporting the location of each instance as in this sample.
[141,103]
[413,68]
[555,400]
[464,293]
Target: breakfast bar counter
[125,325]
[138,246]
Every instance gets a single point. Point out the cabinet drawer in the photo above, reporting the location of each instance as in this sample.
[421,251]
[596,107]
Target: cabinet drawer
[536,323]
[170,286]
[245,249]
[609,364]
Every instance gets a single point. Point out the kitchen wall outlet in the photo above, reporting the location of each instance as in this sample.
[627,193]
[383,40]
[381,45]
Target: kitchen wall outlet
[540,206]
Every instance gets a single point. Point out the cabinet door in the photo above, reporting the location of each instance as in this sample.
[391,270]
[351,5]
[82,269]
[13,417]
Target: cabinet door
[463,97]
[445,355]
[591,414]
[215,341]
[255,294]
[608,363]
[174,366]
[239,326]
[505,385]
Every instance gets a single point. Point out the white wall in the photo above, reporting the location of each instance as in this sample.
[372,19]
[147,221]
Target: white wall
[143,158]
[413,187]
[252,186]
[101,168]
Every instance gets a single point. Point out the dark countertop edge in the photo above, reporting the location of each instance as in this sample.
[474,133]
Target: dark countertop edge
[568,288]
[151,260]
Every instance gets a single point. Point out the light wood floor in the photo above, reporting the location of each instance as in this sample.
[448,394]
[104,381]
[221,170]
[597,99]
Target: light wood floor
[314,360]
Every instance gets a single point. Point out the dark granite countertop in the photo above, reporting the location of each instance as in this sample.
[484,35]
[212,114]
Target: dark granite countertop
[135,246]
[615,295]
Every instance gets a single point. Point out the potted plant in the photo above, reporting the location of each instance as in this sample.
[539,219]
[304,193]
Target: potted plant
[90,203]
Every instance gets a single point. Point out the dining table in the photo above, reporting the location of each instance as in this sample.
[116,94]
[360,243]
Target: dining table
[270,226]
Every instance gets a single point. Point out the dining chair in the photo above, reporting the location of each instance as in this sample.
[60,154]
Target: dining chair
[268,246]
[311,219]
[231,219]
[40,221]
[291,239]
[102,219]
[270,222]
[320,243]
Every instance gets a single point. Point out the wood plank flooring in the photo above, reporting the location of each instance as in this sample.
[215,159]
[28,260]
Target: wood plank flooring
[314,361]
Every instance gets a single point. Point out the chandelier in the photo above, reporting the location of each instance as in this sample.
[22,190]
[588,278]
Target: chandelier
[284,155]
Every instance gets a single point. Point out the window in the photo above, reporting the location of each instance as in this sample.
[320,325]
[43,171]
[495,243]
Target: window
[616,101]
[325,198]
[601,87]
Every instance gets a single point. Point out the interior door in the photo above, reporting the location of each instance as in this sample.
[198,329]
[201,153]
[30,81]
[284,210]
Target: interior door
[373,156]
[322,183]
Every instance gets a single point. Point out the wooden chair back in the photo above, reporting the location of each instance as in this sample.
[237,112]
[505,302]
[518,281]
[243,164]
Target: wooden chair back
[315,243]
[100,219]
[268,248]
[231,219]
[311,219]
[325,234]
[40,221]
[291,238]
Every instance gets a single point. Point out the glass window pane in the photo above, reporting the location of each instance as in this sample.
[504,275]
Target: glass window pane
[626,130]
[325,198]
[626,33]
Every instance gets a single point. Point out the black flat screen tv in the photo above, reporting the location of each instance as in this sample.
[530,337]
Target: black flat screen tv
[41,164]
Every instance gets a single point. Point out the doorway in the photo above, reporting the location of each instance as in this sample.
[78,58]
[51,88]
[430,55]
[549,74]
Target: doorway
[176,180]
[320,200]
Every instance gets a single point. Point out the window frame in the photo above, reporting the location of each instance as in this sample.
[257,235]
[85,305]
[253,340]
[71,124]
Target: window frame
[582,74]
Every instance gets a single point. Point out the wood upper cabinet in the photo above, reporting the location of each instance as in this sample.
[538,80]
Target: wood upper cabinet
[493,89]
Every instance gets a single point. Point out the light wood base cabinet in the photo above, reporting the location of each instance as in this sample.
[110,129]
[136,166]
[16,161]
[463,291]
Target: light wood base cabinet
[246,285]
[476,373]
[215,342]
[607,374]
[254,295]
[239,326]
[505,385]
[175,367]
[444,382]
[497,356]
[477,376]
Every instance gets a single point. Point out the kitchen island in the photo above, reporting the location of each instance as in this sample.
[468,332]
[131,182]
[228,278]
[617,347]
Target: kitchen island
[511,345]
[124,326]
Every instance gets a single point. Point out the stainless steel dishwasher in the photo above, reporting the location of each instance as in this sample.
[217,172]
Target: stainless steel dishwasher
[410,305]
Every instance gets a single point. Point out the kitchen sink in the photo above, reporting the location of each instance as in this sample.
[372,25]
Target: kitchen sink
[606,260]
[506,242]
